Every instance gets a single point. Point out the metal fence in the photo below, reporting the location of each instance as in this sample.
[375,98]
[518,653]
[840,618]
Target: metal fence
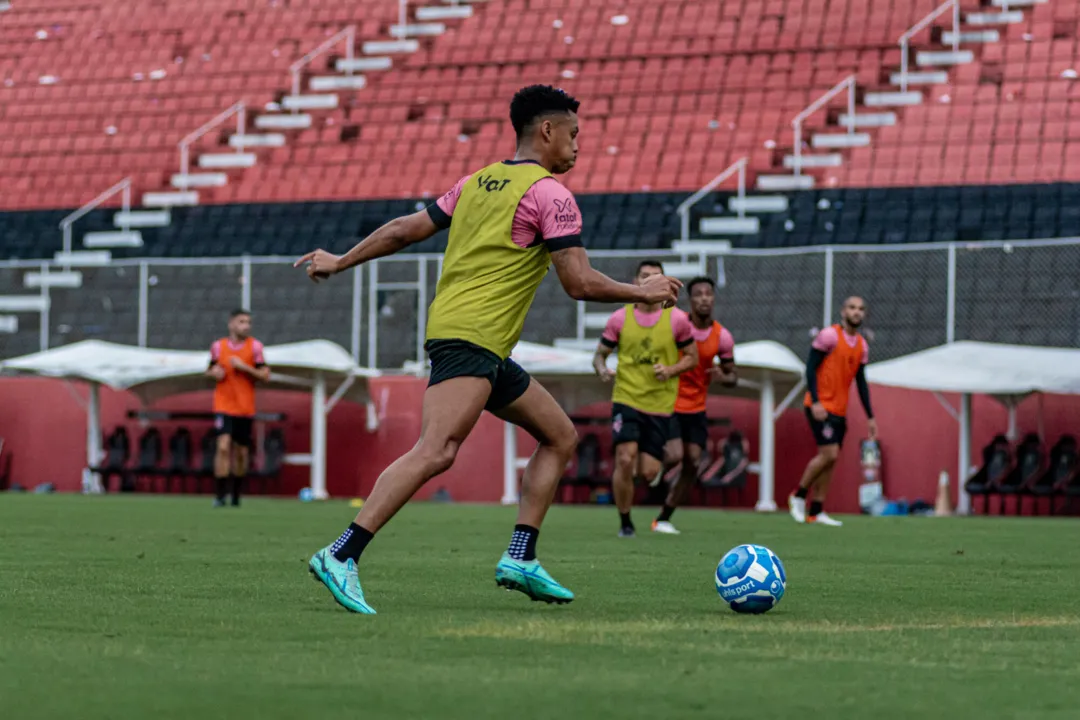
[1023,292]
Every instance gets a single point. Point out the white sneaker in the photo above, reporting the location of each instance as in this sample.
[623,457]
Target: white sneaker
[822,518]
[664,527]
[797,508]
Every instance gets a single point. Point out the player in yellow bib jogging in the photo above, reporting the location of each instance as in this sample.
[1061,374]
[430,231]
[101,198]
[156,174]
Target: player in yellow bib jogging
[508,223]
[649,337]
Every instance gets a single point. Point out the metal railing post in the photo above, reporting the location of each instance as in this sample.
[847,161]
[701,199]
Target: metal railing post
[683,211]
[144,302]
[297,67]
[421,307]
[950,296]
[848,82]
[903,64]
[956,25]
[65,224]
[357,308]
[742,190]
[826,308]
[798,147]
[851,108]
[238,108]
[937,12]
[373,313]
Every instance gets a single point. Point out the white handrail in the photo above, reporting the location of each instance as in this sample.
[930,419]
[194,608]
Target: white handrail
[348,33]
[684,209]
[849,83]
[67,222]
[238,109]
[938,12]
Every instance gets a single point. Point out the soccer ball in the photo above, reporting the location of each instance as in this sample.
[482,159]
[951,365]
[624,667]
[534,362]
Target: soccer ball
[750,579]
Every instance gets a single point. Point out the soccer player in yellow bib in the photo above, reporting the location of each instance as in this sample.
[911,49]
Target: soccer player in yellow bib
[649,337]
[508,223]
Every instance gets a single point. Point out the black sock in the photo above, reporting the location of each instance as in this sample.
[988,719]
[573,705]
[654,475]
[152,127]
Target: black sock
[351,544]
[665,514]
[523,543]
[237,486]
[802,492]
[220,485]
[624,519]
[815,508]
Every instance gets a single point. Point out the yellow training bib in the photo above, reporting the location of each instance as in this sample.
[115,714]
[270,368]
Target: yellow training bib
[488,283]
[639,349]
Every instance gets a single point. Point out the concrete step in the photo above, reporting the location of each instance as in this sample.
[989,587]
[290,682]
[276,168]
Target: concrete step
[708,247]
[142,219]
[227,160]
[24,303]
[9,324]
[943,57]
[84,258]
[322,83]
[70,279]
[922,77]
[283,122]
[390,47]
[729,225]
[364,64]
[1017,3]
[171,199]
[417,30]
[120,239]
[840,140]
[1012,17]
[971,36]
[784,183]
[813,161]
[758,203]
[309,102]
[258,140]
[892,99]
[860,120]
[197,180]
[444,12]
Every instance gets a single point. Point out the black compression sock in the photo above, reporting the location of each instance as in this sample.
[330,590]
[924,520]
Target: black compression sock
[351,544]
[815,508]
[237,487]
[220,487]
[802,492]
[665,513]
[523,543]
[624,520]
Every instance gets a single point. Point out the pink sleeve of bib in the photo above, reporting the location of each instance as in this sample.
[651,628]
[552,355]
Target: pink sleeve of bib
[726,351]
[826,340]
[614,326]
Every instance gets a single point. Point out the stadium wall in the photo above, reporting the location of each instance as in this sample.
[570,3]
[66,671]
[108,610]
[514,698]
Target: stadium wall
[47,438]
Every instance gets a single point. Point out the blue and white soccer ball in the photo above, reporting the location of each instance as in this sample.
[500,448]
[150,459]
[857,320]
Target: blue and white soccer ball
[750,579]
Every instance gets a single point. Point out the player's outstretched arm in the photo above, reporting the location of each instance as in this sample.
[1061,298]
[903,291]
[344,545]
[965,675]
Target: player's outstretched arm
[392,237]
[582,282]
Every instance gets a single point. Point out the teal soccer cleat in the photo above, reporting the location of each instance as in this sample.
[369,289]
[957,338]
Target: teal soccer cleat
[527,576]
[341,579]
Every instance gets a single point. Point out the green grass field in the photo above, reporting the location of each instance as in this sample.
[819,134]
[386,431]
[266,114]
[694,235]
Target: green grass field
[146,607]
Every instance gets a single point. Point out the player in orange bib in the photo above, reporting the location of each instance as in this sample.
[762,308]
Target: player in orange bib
[689,424]
[838,356]
[236,362]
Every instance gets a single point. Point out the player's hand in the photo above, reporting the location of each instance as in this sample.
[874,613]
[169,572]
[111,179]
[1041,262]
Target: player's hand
[237,363]
[604,373]
[662,372]
[320,264]
[217,372]
[871,428]
[661,289]
[819,412]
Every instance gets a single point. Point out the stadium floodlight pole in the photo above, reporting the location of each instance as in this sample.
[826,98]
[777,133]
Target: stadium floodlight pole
[796,124]
[348,34]
[917,27]
[683,211]
[185,144]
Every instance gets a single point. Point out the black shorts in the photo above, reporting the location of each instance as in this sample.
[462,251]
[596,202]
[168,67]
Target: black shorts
[650,432]
[829,432]
[691,428]
[458,358]
[237,428]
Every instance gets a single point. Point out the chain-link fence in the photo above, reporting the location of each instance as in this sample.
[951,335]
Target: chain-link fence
[918,297]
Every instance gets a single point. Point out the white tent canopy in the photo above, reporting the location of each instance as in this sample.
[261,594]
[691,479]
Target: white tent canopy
[154,374]
[1007,372]
[766,368]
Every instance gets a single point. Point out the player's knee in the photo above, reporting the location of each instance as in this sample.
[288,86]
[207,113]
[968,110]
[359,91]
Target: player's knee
[829,454]
[438,457]
[223,446]
[674,454]
[692,455]
[565,440]
[625,457]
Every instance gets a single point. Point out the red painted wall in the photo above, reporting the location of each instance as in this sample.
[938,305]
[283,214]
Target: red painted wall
[45,429]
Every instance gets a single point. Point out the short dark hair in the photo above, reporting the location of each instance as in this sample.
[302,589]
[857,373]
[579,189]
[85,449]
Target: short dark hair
[700,279]
[238,312]
[535,101]
[648,263]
